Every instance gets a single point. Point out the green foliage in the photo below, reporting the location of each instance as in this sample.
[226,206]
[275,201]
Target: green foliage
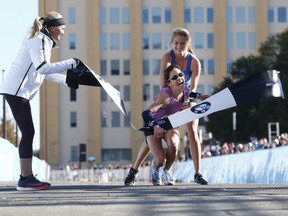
[254,118]
[10,131]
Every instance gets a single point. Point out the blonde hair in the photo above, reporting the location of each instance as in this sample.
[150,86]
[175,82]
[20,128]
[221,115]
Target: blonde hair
[183,32]
[38,22]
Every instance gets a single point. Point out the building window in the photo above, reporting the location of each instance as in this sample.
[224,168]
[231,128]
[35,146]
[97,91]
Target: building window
[252,40]
[73,119]
[240,14]
[126,15]
[156,38]
[145,41]
[198,15]
[199,41]
[104,116]
[168,16]
[126,65]
[103,41]
[103,67]
[210,15]
[102,15]
[210,41]
[229,66]
[114,15]
[74,153]
[146,92]
[211,66]
[156,15]
[145,16]
[73,94]
[251,15]
[115,67]
[229,40]
[156,89]
[270,15]
[156,66]
[187,15]
[202,66]
[271,34]
[201,89]
[115,119]
[167,40]
[145,65]
[282,17]
[240,40]
[126,41]
[103,94]
[127,94]
[229,15]
[127,120]
[72,41]
[114,41]
[109,155]
[210,89]
[117,87]
[72,15]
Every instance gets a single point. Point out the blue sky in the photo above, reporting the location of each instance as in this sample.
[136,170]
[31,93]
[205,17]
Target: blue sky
[16,16]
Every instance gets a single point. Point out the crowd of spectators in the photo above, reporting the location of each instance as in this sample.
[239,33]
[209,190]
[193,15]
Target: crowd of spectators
[254,144]
[208,151]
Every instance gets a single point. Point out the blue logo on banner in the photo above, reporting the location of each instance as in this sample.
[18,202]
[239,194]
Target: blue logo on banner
[160,122]
[201,108]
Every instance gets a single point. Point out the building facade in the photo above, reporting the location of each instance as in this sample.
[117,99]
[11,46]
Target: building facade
[123,41]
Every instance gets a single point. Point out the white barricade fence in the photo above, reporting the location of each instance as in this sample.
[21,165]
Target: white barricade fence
[10,165]
[266,166]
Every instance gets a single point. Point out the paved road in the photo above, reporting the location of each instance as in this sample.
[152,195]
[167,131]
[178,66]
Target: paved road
[115,199]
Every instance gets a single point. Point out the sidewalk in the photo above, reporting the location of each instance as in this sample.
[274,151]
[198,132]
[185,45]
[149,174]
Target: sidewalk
[144,199]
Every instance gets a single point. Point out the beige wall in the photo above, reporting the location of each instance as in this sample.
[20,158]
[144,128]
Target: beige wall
[136,137]
[261,27]
[49,115]
[220,53]
[93,96]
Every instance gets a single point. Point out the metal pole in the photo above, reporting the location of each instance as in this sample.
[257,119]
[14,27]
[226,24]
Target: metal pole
[234,125]
[4,112]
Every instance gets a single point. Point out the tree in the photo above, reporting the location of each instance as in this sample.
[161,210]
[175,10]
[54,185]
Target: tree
[10,131]
[253,119]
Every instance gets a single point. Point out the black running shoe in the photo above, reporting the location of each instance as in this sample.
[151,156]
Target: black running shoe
[31,183]
[198,178]
[130,179]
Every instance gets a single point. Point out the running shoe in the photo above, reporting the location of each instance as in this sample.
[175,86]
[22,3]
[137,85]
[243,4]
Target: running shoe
[167,178]
[31,183]
[156,179]
[130,179]
[198,178]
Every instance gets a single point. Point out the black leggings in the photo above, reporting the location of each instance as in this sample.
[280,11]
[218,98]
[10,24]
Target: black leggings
[21,111]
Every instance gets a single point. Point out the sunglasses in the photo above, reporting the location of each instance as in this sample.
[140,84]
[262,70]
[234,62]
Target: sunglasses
[175,77]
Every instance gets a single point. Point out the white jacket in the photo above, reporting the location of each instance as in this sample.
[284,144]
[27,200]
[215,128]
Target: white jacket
[32,65]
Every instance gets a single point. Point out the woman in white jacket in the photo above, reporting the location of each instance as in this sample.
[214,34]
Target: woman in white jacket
[31,66]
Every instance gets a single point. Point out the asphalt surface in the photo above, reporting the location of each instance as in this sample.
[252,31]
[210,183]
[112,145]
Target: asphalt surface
[144,199]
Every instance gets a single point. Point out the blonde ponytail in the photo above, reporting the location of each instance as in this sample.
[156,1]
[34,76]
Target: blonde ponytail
[38,22]
[37,26]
